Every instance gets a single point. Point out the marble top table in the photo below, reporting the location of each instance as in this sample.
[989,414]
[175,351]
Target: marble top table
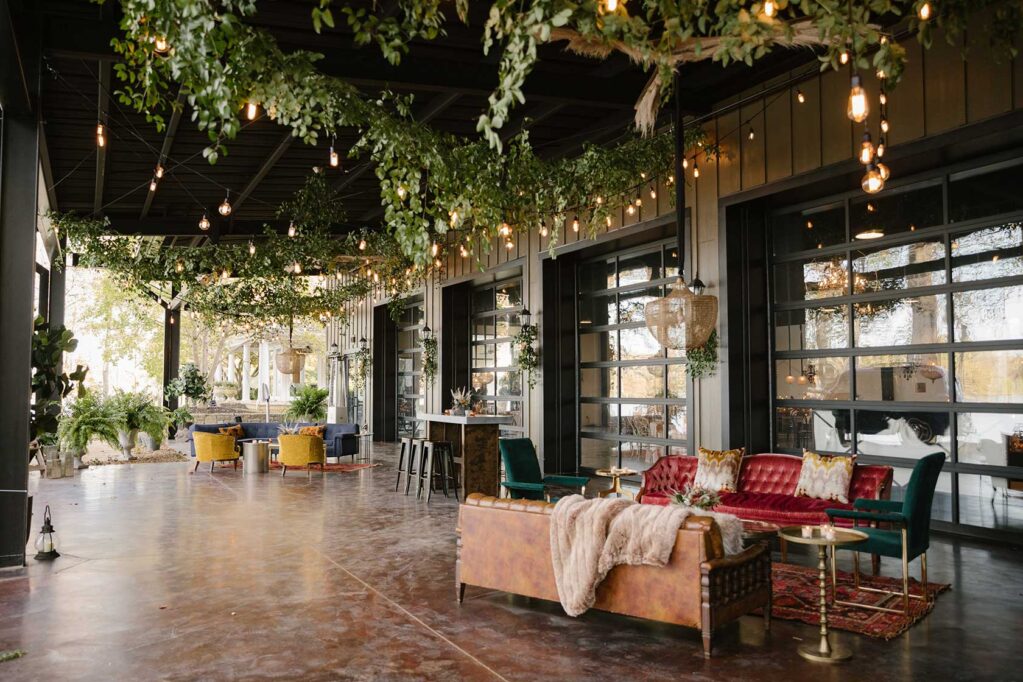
[474,444]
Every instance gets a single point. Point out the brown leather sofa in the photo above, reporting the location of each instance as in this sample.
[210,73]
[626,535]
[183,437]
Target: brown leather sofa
[503,544]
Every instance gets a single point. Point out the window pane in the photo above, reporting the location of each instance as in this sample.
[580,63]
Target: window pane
[989,314]
[921,264]
[483,382]
[507,325]
[639,456]
[993,439]
[985,501]
[897,433]
[639,344]
[896,212]
[632,306]
[810,229]
[482,300]
[988,253]
[677,381]
[510,408]
[599,382]
[643,421]
[597,276]
[598,310]
[941,507]
[509,383]
[408,384]
[678,427]
[640,268]
[985,194]
[643,382]
[598,346]
[818,430]
[811,279]
[483,355]
[598,417]
[598,454]
[812,379]
[482,329]
[990,376]
[901,321]
[671,261]
[508,295]
[812,328]
[503,354]
[918,377]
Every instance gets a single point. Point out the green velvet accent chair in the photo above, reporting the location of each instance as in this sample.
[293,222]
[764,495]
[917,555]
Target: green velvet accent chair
[896,529]
[523,478]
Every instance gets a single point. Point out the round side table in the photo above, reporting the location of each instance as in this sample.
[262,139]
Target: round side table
[616,481]
[823,651]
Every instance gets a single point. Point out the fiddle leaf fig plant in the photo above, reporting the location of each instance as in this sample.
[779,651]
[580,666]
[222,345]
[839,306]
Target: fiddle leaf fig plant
[49,384]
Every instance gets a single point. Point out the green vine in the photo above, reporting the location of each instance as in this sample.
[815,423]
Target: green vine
[429,359]
[527,359]
[363,360]
[703,361]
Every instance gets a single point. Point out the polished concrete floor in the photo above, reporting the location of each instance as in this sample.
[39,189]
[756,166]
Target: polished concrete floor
[169,575]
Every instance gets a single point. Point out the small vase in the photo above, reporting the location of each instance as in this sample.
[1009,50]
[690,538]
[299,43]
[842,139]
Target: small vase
[457,411]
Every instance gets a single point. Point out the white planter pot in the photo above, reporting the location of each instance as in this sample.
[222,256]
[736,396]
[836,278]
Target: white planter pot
[127,442]
[149,443]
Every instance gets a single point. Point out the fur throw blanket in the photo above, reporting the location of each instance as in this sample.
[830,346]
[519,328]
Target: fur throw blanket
[590,537]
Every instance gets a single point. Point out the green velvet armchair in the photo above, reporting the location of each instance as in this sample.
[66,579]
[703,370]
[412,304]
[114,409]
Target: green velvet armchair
[523,478]
[895,529]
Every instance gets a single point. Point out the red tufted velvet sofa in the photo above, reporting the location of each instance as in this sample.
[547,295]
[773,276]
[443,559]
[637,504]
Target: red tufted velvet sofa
[767,487]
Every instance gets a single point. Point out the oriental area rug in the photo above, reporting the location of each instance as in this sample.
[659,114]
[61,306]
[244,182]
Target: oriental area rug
[796,595]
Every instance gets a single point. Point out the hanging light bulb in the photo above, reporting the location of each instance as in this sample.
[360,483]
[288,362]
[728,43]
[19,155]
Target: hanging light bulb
[152,185]
[225,206]
[630,209]
[653,192]
[159,171]
[362,245]
[610,5]
[844,57]
[179,266]
[101,135]
[453,217]
[671,178]
[170,318]
[800,97]
[857,109]
[436,262]
[924,11]
[769,8]
[884,125]
[402,192]
[335,161]
[883,98]
[434,249]
[160,45]
[251,110]
[509,244]
[639,199]
[376,278]
[790,379]
[884,171]
[504,230]
[462,251]
[575,224]
[752,134]
[696,170]
[292,230]
[543,228]
[880,148]
[252,248]
[599,200]
[872,182]
[607,221]
[685,164]
[204,222]
[866,154]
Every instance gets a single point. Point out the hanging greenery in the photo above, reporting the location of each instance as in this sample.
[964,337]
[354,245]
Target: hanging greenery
[703,361]
[363,361]
[429,359]
[526,357]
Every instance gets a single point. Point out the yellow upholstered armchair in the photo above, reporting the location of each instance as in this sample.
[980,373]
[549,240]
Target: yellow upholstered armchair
[299,450]
[213,448]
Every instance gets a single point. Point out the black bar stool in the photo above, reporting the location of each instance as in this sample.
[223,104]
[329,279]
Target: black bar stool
[410,468]
[449,472]
[431,459]
[404,460]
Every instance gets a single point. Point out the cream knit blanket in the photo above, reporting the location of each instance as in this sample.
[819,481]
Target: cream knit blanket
[590,537]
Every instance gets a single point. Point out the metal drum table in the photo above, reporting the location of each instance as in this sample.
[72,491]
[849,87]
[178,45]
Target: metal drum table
[256,455]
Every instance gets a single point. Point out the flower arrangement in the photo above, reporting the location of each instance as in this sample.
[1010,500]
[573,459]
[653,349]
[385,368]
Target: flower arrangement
[696,497]
[461,398]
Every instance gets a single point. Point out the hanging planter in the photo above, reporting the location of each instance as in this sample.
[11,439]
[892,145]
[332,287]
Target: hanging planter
[429,357]
[290,361]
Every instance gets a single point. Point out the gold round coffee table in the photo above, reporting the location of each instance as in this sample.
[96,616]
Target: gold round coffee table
[616,481]
[823,651]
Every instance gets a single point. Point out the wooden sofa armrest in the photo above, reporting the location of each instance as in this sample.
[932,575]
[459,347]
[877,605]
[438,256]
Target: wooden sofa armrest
[732,586]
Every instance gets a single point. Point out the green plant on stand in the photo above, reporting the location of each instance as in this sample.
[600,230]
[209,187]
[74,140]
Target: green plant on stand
[309,404]
[134,411]
[83,419]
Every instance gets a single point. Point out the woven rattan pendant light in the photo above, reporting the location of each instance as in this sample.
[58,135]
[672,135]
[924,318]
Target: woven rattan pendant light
[684,319]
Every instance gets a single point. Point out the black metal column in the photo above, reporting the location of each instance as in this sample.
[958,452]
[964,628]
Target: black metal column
[57,289]
[171,352]
[19,170]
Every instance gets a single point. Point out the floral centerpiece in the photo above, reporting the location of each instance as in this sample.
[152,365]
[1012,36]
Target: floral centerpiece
[461,398]
[696,497]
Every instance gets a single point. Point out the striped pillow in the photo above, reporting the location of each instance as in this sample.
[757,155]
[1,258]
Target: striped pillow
[825,477]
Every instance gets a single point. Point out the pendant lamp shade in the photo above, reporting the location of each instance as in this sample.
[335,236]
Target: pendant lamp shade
[682,320]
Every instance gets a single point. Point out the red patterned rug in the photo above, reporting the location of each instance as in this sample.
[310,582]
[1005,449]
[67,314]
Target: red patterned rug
[797,597]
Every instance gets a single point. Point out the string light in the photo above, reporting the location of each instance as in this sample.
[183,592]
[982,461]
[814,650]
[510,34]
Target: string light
[225,207]
[800,97]
[844,57]
[292,230]
[509,244]
[809,224]
[607,221]
[434,249]
[436,262]
[101,135]
[883,170]
[866,149]
[159,171]
[769,8]
[251,110]
[685,164]
[639,199]
[599,200]
[504,230]
[575,224]
[610,5]
[696,170]
[296,268]
[170,319]
[402,192]
[630,209]
[152,185]
[160,45]
[204,222]
[543,228]
[924,11]
[453,217]
[653,192]
[857,108]
[671,178]
[752,134]
[462,251]
[179,266]
[362,245]
[252,248]
[335,161]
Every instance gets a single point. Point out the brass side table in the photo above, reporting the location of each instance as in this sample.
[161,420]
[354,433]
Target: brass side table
[616,481]
[823,651]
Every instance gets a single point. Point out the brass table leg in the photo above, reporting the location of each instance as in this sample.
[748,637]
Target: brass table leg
[824,652]
[615,489]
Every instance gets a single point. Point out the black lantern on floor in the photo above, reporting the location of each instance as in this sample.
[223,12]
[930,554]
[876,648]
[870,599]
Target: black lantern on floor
[46,543]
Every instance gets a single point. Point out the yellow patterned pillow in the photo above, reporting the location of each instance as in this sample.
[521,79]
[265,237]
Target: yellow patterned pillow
[314,430]
[718,469]
[825,477]
[235,430]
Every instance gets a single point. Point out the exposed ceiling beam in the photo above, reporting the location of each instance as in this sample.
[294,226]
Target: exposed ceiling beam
[168,144]
[102,116]
[434,107]
[261,172]
[44,161]
[536,114]
[600,132]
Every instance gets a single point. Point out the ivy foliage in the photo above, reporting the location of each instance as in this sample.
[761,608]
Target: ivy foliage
[703,361]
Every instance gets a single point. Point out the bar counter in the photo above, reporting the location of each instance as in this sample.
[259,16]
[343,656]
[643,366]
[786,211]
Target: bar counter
[474,444]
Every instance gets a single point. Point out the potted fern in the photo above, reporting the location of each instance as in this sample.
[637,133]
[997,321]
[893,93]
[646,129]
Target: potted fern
[309,404]
[135,412]
[85,418]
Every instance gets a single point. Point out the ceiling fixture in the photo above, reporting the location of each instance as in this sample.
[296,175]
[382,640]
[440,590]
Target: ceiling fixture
[857,108]
[225,207]
[204,222]
[870,233]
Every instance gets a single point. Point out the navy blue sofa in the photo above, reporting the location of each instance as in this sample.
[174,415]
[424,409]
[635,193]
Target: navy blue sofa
[342,440]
